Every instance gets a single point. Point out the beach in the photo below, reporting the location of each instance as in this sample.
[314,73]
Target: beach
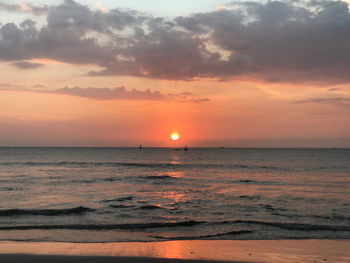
[179,251]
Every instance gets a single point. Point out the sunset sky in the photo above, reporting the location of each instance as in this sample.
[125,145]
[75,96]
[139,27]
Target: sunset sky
[220,73]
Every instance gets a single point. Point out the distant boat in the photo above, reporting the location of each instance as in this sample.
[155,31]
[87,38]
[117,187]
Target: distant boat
[185,148]
[140,146]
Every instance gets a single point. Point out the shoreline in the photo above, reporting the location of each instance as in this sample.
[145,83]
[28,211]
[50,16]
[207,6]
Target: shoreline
[300,250]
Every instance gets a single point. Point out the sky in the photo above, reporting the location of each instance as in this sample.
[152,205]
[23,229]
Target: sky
[220,73]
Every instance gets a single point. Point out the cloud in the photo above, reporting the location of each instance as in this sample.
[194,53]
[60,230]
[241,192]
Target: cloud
[24,8]
[335,89]
[101,8]
[38,86]
[337,101]
[7,86]
[68,36]
[118,93]
[26,65]
[221,7]
[275,41]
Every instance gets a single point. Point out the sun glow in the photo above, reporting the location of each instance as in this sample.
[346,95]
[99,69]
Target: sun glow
[174,136]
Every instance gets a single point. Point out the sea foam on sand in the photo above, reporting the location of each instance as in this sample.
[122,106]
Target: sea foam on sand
[179,251]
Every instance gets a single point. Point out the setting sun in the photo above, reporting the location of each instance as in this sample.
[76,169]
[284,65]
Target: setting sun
[174,136]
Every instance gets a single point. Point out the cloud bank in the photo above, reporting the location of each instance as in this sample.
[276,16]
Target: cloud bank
[288,41]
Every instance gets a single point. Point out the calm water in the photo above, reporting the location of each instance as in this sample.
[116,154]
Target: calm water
[124,194]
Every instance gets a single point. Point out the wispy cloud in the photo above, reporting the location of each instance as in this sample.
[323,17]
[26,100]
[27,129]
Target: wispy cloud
[337,101]
[118,93]
[121,93]
[335,89]
[7,86]
[26,65]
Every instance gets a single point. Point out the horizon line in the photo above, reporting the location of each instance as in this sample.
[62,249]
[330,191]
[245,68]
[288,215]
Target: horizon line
[181,147]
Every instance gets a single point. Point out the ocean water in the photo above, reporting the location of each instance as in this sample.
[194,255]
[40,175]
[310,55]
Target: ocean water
[157,194]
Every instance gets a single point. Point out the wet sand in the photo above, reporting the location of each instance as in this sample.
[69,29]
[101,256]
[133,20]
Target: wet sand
[179,251]
[90,259]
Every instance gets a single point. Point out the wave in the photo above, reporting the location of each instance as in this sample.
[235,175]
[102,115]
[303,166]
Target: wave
[120,199]
[6,188]
[45,212]
[246,181]
[105,227]
[178,165]
[146,165]
[250,197]
[143,226]
[144,207]
[290,226]
[150,207]
[97,180]
[158,177]
[231,233]
[121,206]
[327,217]
[272,208]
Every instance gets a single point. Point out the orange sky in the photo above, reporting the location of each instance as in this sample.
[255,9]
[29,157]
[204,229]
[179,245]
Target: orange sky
[248,109]
[236,111]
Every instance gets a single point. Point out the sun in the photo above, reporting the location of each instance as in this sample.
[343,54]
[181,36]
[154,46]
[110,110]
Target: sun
[174,136]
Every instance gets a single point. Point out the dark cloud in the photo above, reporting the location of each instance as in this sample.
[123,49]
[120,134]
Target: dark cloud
[68,35]
[290,41]
[26,65]
[280,41]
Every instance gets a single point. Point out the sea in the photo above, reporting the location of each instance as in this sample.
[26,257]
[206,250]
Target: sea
[161,194]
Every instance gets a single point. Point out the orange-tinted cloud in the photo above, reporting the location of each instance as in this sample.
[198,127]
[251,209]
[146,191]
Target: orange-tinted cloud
[25,8]
[101,8]
[222,7]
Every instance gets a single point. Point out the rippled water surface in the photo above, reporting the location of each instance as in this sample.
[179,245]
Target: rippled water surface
[155,194]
